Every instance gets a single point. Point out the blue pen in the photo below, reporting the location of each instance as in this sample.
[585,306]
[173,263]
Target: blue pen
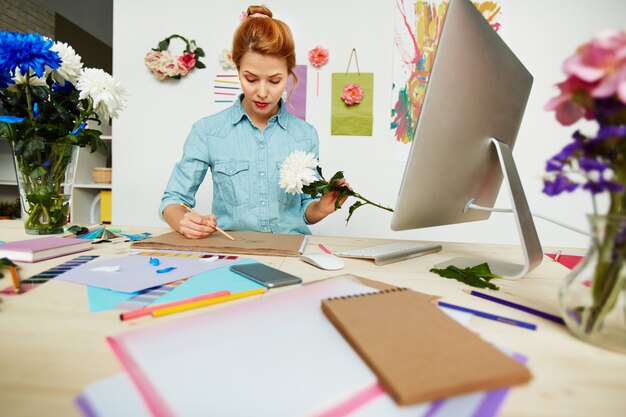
[501,319]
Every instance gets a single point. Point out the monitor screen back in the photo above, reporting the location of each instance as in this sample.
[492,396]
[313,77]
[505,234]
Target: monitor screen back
[477,89]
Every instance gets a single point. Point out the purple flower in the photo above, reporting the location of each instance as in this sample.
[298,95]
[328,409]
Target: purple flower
[602,185]
[591,164]
[610,131]
[554,165]
[560,184]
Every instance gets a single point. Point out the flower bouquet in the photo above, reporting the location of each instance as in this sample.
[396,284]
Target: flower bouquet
[593,299]
[46,101]
[301,174]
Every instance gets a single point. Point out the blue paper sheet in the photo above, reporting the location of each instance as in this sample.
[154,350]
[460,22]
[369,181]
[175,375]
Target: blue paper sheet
[212,281]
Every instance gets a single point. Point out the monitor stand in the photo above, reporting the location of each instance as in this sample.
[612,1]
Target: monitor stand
[531,248]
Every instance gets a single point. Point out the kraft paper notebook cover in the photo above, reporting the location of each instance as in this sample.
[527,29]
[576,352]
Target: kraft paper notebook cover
[418,353]
[42,248]
[245,243]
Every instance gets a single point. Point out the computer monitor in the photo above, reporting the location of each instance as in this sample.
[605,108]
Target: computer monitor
[472,110]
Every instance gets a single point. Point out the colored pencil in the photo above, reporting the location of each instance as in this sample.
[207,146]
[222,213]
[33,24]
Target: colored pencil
[15,276]
[146,311]
[489,316]
[216,227]
[204,303]
[511,304]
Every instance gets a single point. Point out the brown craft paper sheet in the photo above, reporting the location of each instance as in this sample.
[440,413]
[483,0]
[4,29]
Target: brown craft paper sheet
[245,243]
[419,353]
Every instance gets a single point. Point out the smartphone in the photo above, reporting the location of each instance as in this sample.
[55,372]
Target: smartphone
[265,275]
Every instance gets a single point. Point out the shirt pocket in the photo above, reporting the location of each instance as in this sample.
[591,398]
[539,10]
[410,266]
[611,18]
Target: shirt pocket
[232,181]
[284,197]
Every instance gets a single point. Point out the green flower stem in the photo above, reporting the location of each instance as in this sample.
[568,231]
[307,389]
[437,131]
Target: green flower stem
[360,197]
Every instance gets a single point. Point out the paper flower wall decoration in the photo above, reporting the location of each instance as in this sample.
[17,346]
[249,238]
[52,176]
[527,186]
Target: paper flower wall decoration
[352,94]
[164,65]
[226,60]
[318,56]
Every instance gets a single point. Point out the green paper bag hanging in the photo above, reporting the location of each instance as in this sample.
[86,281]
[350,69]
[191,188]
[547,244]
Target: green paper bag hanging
[352,119]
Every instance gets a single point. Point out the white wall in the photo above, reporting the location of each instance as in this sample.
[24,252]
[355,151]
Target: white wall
[148,136]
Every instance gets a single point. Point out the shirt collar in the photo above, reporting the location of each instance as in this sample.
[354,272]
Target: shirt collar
[239,113]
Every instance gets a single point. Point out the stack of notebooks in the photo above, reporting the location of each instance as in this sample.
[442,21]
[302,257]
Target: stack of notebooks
[280,355]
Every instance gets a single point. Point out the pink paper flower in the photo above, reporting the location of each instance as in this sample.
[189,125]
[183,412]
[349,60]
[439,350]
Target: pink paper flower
[352,94]
[187,60]
[318,56]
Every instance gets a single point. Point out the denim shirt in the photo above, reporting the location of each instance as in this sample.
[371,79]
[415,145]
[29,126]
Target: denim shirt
[245,164]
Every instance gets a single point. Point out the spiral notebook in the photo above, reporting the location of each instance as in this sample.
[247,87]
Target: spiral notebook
[417,352]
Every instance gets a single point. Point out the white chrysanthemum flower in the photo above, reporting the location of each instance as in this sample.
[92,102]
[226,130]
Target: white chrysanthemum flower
[71,63]
[33,80]
[226,60]
[106,93]
[297,170]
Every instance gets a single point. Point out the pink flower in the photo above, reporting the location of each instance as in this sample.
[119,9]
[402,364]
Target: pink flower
[352,94]
[187,60]
[318,56]
[602,63]
[596,71]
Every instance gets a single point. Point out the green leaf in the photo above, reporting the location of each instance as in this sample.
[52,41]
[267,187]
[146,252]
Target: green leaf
[163,45]
[353,208]
[4,262]
[199,52]
[200,65]
[319,171]
[338,175]
[477,276]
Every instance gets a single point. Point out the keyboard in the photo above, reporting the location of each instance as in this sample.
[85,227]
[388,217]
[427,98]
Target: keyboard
[392,252]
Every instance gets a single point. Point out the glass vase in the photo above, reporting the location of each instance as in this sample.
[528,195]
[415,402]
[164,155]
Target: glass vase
[45,180]
[593,296]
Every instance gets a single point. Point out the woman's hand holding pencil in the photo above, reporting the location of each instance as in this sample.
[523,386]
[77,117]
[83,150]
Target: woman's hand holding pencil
[196,226]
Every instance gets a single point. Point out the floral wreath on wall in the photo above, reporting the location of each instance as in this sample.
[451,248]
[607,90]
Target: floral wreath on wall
[164,65]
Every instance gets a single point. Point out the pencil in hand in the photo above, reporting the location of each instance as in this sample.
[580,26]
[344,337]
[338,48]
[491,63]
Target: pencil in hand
[226,235]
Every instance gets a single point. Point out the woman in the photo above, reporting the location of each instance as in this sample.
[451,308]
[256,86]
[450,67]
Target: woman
[245,145]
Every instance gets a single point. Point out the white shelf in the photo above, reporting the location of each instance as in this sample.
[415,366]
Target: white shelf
[94,185]
[8,182]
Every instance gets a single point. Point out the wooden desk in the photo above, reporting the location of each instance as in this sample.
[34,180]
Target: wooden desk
[52,347]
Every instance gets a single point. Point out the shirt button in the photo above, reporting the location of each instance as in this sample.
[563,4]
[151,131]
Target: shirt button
[262,174]
[262,203]
[262,146]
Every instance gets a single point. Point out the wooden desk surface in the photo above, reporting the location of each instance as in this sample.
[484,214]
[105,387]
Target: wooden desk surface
[52,347]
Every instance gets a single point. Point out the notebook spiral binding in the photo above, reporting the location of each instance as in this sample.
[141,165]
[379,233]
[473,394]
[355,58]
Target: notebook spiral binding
[344,297]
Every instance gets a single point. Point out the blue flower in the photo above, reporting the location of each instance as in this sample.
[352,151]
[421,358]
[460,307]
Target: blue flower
[35,110]
[78,129]
[5,78]
[63,88]
[26,51]
[46,163]
[11,119]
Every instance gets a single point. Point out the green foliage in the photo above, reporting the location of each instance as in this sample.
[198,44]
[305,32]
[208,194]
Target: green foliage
[475,276]
[10,208]
[5,263]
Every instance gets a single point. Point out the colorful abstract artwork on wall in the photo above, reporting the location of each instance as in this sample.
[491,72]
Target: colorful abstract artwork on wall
[418,25]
